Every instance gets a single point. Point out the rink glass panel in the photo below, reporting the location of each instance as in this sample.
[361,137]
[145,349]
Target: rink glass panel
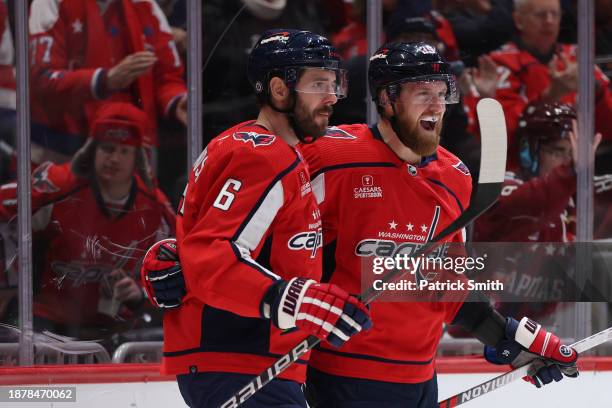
[74,258]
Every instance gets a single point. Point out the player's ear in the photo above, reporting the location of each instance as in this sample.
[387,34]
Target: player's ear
[383,97]
[384,104]
[278,90]
[517,16]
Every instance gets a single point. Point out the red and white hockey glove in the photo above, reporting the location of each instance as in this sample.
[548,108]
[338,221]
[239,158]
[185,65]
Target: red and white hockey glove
[527,341]
[321,309]
[162,276]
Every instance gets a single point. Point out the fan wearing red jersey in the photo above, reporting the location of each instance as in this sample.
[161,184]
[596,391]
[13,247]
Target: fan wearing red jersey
[86,53]
[249,238]
[535,67]
[93,219]
[537,205]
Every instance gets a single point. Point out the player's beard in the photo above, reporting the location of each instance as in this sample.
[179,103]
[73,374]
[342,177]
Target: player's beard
[420,141]
[310,123]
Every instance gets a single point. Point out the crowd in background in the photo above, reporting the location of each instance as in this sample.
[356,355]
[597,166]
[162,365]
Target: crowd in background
[92,57]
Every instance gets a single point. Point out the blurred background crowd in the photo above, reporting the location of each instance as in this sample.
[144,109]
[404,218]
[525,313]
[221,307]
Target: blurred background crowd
[108,99]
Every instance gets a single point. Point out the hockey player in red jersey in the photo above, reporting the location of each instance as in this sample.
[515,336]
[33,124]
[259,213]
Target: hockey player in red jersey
[401,159]
[249,237]
[93,220]
[535,67]
[86,52]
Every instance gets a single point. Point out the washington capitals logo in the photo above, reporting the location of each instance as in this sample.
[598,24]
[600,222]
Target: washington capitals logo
[462,168]
[40,179]
[337,133]
[256,138]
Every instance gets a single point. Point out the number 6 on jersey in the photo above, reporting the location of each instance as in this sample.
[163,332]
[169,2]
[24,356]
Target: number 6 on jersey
[225,198]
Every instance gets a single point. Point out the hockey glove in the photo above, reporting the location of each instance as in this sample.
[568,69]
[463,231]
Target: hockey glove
[321,309]
[526,341]
[161,275]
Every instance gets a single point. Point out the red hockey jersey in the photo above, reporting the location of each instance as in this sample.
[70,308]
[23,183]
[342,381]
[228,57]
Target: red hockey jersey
[247,219]
[371,199]
[523,79]
[73,44]
[84,243]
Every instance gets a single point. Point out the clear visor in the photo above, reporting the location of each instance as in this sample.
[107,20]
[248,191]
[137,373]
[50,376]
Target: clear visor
[441,90]
[323,81]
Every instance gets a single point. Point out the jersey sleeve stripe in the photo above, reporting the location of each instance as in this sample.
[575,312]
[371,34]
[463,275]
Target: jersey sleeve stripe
[451,192]
[256,227]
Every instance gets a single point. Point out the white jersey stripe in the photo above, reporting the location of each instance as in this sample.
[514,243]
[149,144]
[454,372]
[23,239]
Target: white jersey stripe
[253,232]
[318,188]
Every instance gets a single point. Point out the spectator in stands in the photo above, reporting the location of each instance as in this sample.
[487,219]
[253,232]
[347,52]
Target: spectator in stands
[480,26]
[93,220]
[537,205]
[86,52]
[534,67]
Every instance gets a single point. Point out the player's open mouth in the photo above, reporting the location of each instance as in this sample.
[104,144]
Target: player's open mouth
[428,123]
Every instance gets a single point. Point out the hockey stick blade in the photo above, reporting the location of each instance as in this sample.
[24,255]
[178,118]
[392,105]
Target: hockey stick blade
[492,170]
[506,378]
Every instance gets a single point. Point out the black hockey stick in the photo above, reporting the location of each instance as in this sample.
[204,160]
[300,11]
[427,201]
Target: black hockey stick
[492,170]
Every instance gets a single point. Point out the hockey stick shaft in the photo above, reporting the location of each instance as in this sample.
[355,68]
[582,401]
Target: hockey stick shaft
[492,170]
[506,378]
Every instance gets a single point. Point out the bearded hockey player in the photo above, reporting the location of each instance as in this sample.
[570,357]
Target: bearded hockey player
[94,218]
[249,237]
[422,188]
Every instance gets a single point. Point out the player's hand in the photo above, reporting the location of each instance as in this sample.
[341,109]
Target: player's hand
[562,80]
[321,309]
[125,288]
[528,342]
[162,276]
[131,67]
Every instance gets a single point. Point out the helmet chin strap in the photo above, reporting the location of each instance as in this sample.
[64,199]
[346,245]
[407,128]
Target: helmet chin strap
[297,129]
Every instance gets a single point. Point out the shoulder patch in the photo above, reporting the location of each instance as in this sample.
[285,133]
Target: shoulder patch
[40,179]
[462,168]
[334,132]
[257,139]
